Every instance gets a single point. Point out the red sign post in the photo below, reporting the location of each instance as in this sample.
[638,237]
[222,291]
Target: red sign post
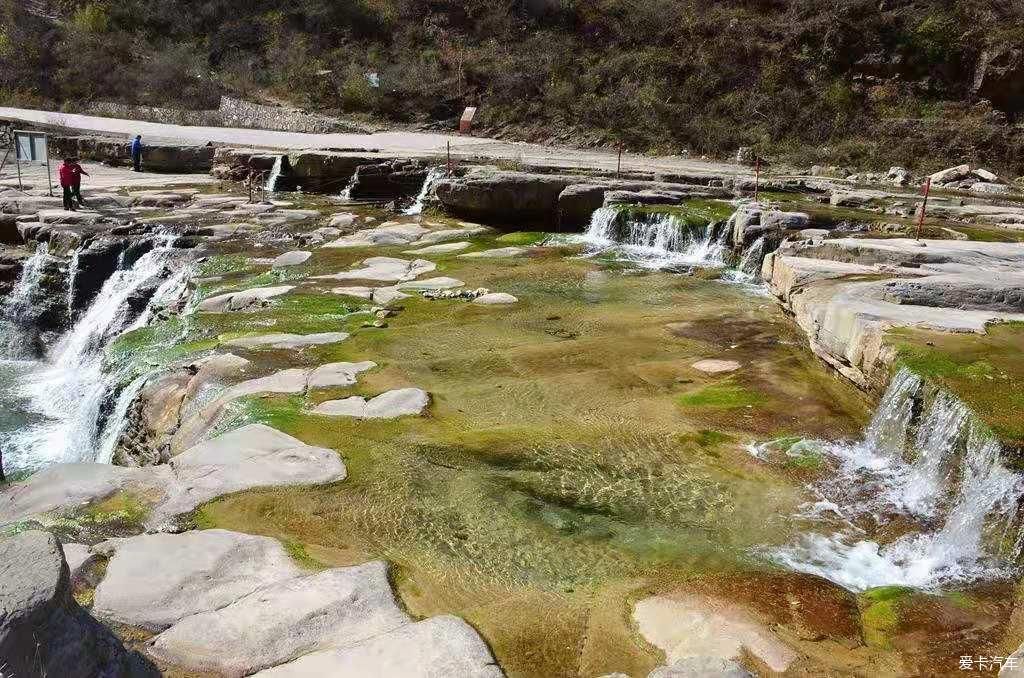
[924,206]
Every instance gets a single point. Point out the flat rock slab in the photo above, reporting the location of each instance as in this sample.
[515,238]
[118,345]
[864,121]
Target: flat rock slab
[245,300]
[393,234]
[701,667]
[359,291]
[497,253]
[451,234]
[283,621]
[155,580]
[684,626]
[714,366]
[384,269]
[341,220]
[398,403]
[337,375]
[439,647]
[283,340]
[291,259]
[495,298]
[441,283]
[444,248]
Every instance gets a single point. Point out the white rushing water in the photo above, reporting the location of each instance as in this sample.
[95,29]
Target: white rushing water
[62,396]
[346,194]
[927,465]
[13,308]
[654,240]
[429,183]
[275,174]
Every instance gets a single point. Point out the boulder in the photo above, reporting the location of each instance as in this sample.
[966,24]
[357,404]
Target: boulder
[282,340]
[283,621]
[324,171]
[245,300]
[495,298]
[398,403]
[154,581]
[382,236]
[291,259]
[439,647]
[498,196]
[576,204]
[43,631]
[451,234]
[986,175]
[384,269]
[951,174]
[898,176]
[386,181]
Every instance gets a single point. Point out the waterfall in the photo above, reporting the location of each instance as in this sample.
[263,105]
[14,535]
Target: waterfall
[926,469]
[654,240]
[346,194]
[14,308]
[429,183]
[750,263]
[275,174]
[65,394]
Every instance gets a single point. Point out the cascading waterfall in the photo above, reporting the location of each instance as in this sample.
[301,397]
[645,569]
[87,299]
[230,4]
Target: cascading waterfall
[654,240]
[13,309]
[346,194]
[925,462]
[65,394]
[275,174]
[429,183]
[752,258]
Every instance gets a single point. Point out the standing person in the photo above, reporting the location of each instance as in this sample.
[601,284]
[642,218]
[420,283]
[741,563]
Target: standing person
[137,153]
[66,174]
[76,186]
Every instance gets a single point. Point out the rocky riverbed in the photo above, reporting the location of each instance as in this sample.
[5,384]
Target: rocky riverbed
[310,436]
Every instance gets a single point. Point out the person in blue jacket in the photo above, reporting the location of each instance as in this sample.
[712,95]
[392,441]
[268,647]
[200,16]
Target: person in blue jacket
[137,153]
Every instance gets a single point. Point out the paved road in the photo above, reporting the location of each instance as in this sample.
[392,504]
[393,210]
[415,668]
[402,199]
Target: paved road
[406,144]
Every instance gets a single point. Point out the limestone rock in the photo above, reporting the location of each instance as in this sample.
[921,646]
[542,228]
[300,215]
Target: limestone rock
[384,269]
[397,403]
[495,298]
[497,253]
[342,220]
[337,375]
[951,174]
[445,235]
[396,234]
[43,631]
[251,456]
[441,283]
[986,175]
[491,195]
[578,202]
[244,300]
[155,580]
[283,621]
[987,187]
[443,248]
[439,647]
[713,366]
[701,667]
[685,626]
[291,259]
[283,341]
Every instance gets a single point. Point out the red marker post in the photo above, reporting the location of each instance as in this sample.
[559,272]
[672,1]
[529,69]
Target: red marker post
[924,205]
[757,176]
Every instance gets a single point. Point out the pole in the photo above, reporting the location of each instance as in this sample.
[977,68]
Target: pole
[757,177]
[449,157]
[618,163]
[250,184]
[924,206]
[17,160]
[49,178]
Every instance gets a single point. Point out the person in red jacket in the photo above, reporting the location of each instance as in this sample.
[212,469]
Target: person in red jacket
[76,185]
[70,174]
[66,174]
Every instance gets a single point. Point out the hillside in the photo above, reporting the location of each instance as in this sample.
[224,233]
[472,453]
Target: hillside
[860,82]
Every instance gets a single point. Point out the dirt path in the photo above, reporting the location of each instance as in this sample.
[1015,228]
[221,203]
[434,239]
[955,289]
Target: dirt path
[406,144]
